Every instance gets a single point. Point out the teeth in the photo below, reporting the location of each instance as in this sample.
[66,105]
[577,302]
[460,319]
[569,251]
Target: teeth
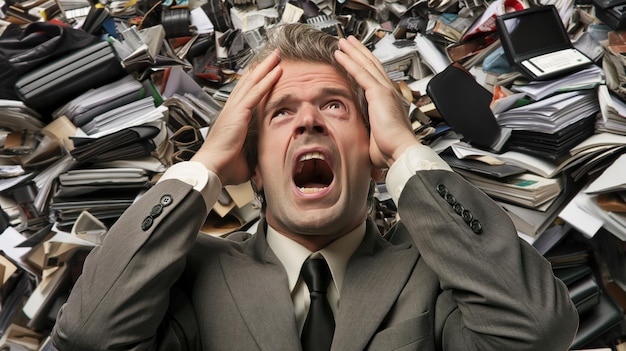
[311,190]
[312,155]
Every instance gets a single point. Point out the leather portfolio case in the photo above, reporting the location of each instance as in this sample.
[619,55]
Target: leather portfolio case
[464,105]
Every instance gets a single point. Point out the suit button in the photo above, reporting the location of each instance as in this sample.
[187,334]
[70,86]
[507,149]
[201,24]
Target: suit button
[467,216]
[458,208]
[156,210]
[476,226]
[166,200]
[147,223]
[442,190]
[450,199]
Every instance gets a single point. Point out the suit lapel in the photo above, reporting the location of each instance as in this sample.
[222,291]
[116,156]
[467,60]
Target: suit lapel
[258,283]
[375,276]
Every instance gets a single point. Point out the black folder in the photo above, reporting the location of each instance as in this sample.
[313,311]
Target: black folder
[604,316]
[585,293]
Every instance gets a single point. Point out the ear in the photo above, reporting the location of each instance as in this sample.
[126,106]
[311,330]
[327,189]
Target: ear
[378,174]
[256,180]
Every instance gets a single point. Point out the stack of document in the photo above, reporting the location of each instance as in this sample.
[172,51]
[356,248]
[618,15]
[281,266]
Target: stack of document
[133,114]
[613,119]
[552,114]
[550,127]
[14,115]
[103,192]
[588,78]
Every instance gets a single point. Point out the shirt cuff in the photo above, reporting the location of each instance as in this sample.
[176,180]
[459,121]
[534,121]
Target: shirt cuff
[417,157]
[199,177]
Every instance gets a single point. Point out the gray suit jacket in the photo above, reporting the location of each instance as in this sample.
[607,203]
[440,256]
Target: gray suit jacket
[453,275]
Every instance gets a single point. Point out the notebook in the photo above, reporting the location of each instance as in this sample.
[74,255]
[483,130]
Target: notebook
[536,42]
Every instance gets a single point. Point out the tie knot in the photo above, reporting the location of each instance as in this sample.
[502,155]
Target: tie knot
[316,274]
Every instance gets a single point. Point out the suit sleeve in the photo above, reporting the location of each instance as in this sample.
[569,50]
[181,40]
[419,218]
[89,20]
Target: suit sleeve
[121,299]
[504,292]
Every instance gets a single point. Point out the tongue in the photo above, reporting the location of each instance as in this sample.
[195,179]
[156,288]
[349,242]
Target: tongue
[313,174]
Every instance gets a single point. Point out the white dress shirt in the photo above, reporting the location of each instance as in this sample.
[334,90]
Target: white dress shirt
[292,255]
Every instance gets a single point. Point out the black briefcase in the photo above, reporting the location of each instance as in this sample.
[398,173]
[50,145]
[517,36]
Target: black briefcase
[52,85]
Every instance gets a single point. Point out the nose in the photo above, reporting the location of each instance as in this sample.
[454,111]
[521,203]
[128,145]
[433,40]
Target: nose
[310,120]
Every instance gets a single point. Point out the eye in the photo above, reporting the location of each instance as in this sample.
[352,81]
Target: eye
[335,105]
[280,113]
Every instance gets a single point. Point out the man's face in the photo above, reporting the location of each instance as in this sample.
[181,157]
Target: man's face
[314,165]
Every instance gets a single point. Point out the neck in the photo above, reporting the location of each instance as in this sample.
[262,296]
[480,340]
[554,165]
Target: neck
[313,242]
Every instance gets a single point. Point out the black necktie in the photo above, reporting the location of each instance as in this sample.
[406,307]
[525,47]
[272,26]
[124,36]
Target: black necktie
[317,334]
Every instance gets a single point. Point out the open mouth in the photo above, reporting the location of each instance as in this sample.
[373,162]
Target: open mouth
[313,174]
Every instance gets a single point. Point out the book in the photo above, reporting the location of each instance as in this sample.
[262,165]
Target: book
[612,178]
[96,16]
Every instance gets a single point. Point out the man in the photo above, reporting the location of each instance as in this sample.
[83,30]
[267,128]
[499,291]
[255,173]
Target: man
[452,275]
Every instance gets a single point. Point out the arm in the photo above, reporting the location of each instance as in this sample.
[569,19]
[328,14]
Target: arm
[122,297]
[506,293]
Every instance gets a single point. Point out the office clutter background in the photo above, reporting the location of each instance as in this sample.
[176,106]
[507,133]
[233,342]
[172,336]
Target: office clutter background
[97,98]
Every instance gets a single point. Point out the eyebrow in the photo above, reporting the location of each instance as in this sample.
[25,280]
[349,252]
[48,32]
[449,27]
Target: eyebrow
[329,91]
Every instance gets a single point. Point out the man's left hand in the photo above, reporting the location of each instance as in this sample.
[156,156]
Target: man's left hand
[391,133]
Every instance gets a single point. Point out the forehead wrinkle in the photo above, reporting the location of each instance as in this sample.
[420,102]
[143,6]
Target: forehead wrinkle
[274,103]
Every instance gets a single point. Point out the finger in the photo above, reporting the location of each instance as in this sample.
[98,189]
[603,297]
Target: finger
[258,79]
[363,57]
[369,55]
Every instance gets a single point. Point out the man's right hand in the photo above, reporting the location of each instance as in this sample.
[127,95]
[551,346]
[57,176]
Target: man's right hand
[222,152]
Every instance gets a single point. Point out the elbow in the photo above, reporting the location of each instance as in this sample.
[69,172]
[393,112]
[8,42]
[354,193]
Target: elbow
[556,330]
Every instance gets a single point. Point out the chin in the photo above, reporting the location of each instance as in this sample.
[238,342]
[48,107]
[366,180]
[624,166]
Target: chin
[325,222]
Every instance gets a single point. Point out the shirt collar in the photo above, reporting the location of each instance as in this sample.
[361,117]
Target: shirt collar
[292,255]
